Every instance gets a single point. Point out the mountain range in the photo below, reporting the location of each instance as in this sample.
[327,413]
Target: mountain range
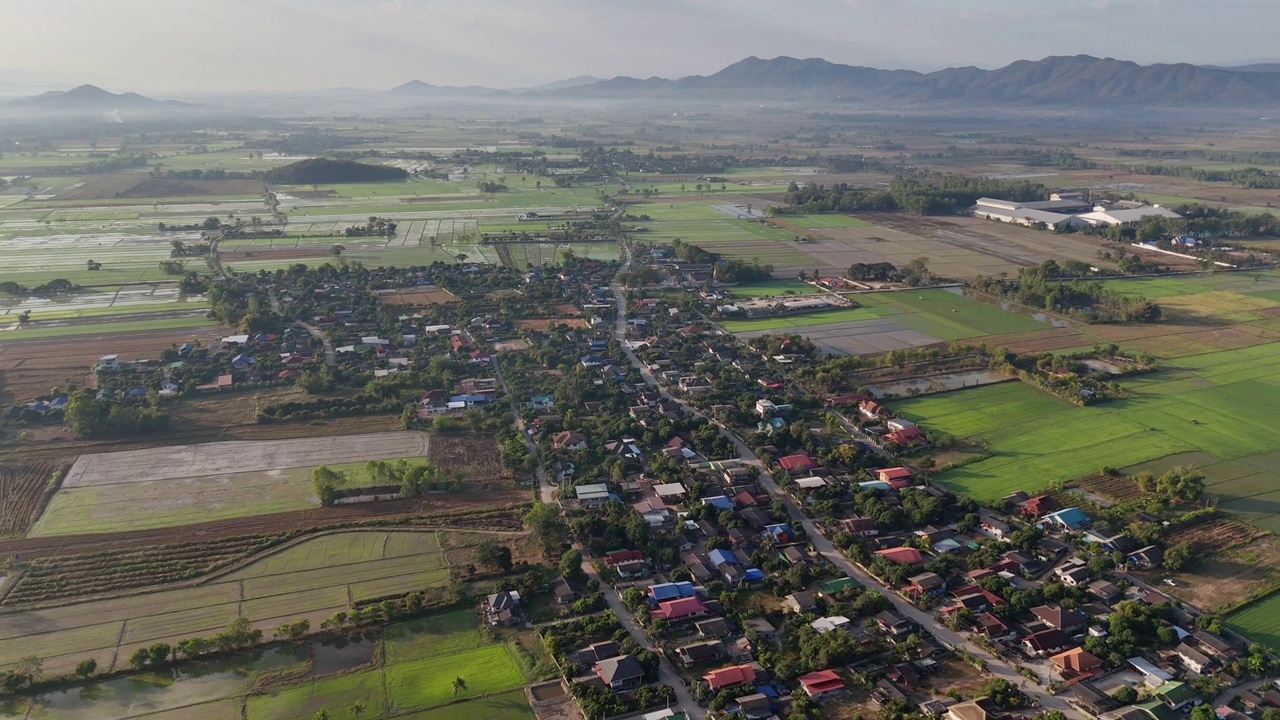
[91,98]
[1074,80]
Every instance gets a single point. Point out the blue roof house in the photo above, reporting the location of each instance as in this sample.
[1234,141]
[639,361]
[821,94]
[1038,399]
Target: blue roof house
[669,591]
[719,502]
[1069,518]
[720,557]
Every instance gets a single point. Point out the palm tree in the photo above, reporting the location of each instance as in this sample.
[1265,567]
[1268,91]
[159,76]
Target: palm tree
[459,685]
[321,715]
[356,709]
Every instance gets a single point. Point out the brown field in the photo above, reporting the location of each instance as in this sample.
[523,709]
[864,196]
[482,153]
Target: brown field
[417,298]
[1118,488]
[957,247]
[548,323]
[1214,534]
[1229,576]
[1037,341]
[475,455]
[22,490]
[133,185]
[32,367]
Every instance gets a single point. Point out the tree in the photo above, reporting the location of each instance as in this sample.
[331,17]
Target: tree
[29,669]
[459,685]
[1126,695]
[494,555]
[1203,712]
[139,658]
[321,715]
[1178,556]
[85,668]
[356,709]
[571,564]
[547,527]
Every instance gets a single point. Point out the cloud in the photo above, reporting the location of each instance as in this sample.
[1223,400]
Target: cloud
[176,45]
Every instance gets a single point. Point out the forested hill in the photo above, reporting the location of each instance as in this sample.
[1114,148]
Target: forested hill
[315,171]
[1075,80]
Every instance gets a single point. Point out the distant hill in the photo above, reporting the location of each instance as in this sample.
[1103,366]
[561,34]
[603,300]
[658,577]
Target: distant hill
[418,88]
[568,83]
[317,171]
[94,98]
[1077,80]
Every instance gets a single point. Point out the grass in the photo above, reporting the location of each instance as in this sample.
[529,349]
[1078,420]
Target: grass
[334,694]
[428,681]
[510,705]
[106,328]
[825,221]
[801,320]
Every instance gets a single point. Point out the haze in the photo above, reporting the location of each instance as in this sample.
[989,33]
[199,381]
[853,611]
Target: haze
[292,45]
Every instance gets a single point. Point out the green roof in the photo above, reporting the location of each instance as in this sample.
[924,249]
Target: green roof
[1175,691]
[832,587]
[1157,710]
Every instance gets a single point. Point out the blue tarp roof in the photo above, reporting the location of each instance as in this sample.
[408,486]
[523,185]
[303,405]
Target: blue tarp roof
[720,557]
[719,502]
[1071,517]
[753,575]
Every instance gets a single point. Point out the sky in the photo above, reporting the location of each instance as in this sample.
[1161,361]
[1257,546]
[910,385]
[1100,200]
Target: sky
[196,46]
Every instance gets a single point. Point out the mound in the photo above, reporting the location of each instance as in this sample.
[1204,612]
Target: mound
[315,171]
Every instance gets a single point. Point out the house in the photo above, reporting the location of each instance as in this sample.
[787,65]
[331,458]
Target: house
[1046,642]
[223,382]
[569,440]
[828,624]
[807,484]
[731,676]
[895,474]
[663,592]
[1111,541]
[860,526]
[799,603]
[780,532]
[821,683]
[992,526]
[1060,618]
[800,462]
[1153,676]
[895,626]
[1104,590]
[1068,519]
[716,627]
[566,591]
[1193,659]
[1147,558]
[993,627]
[902,555]
[765,408]
[1076,664]
[1216,645]
[619,673]
[503,608]
[592,495]
[756,706]
[1175,694]
[680,609]
[630,569]
[926,584]
[981,709]
[907,437]
[764,630]
[1072,572]
[700,652]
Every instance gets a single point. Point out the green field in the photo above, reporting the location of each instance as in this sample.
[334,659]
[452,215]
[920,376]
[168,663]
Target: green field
[825,221]
[415,671]
[1036,438]
[825,317]
[1259,621]
[946,315]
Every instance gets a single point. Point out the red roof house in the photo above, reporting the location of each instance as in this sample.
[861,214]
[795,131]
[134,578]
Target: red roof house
[680,609]
[730,676]
[894,475]
[906,436]
[821,683]
[901,555]
[1037,506]
[617,556]
[797,462]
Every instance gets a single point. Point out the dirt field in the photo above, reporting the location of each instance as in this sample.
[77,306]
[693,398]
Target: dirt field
[476,455]
[1118,488]
[185,461]
[31,367]
[132,185]
[1214,534]
[417,298]
[548,323]
[22,489]
[1228,576]
[1038,341]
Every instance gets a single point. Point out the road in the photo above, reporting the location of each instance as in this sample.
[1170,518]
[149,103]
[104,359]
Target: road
[546,491]
[821,544]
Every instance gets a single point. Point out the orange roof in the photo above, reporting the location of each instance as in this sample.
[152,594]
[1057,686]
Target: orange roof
[1077,659]
[893,473]
[730,676]
[901,555]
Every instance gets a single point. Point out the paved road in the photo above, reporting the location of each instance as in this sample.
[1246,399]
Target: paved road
[827,549]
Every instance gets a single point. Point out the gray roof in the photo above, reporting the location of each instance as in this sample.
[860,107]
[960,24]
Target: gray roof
[623,667]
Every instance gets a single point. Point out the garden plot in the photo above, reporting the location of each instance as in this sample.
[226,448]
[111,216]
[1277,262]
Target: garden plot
[169,486]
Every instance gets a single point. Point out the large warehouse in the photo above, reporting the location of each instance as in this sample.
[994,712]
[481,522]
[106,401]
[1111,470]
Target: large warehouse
[1066,210]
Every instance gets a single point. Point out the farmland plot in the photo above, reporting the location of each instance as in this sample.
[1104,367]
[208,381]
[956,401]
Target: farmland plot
[176,485]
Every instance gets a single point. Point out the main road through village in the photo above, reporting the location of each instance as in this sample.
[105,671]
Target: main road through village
[995,666]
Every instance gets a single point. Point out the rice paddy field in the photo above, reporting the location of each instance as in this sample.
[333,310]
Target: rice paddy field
[415,672]
[312,578]
[1220,403]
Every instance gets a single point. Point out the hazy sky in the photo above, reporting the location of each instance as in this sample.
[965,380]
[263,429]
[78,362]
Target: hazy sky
[228,45]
